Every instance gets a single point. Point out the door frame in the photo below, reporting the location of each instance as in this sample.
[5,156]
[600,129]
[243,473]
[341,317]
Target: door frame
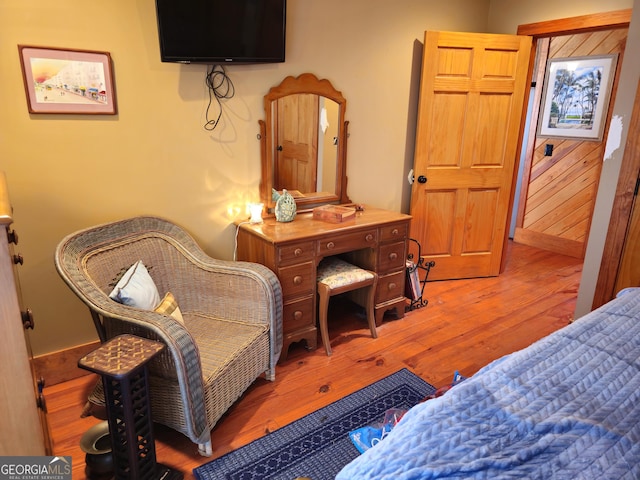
[621,211]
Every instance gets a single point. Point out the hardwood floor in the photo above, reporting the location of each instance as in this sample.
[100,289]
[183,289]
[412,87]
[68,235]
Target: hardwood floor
[467,324]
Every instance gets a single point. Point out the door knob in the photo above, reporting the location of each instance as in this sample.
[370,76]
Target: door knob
[279,148]
[422,179]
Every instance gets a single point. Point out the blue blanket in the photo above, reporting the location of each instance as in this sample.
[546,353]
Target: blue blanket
[566,407]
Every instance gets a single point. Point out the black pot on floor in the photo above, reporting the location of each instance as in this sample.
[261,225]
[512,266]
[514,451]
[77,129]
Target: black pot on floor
[96,444]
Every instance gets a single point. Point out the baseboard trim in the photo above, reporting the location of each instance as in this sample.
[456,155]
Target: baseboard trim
[563,246]
[61,366]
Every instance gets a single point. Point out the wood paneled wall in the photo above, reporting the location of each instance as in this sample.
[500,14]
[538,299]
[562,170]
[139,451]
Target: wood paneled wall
[559,191]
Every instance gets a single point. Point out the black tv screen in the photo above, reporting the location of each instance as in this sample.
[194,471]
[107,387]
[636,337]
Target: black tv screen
[222,31]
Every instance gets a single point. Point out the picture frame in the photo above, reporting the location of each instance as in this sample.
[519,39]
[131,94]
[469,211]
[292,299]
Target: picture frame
[68,81]
[575,97]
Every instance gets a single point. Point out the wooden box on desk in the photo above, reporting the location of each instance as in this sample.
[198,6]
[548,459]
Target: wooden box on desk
[334,213]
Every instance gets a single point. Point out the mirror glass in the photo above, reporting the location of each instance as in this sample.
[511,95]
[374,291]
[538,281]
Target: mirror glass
[303,141]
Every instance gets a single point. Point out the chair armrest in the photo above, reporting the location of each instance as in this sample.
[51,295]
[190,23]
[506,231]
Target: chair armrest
[235,291]
[181,351]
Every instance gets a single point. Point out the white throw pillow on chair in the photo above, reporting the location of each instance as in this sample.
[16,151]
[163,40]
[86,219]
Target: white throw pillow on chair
[136,288]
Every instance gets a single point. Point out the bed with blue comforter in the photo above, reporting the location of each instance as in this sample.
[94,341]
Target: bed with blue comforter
[566,407]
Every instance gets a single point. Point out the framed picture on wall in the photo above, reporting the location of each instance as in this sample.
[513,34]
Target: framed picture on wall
[575,96]
[58,80]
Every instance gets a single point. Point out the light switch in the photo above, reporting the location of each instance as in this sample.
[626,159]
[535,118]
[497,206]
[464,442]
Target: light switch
[548,150]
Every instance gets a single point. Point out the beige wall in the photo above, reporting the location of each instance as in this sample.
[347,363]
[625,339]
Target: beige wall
[68,172]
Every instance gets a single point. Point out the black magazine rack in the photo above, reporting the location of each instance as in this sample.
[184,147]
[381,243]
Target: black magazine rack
[417,273]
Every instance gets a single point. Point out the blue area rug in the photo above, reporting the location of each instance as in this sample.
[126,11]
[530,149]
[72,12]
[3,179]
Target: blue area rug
[318,445]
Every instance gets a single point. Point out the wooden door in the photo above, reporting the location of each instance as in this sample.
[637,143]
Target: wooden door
[471,103]
[297,143]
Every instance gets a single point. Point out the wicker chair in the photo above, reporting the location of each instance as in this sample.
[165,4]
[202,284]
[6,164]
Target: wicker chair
[232,312]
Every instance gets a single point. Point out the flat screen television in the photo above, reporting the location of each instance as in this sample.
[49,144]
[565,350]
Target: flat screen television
[222,31]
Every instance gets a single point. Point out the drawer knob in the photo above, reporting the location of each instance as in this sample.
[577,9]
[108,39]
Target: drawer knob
[330,245]
[297,280]
[393,256]
[297,315]
[369,237]
[297,252]
[27,319]
[392,285]
[395,231]
[12,237]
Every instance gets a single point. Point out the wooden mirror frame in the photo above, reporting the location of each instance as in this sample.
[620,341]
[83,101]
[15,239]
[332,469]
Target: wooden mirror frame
[304,83]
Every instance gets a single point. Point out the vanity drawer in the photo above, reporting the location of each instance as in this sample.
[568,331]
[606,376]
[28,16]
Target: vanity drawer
[390,287]
[297,280]
[391,256]
[347,242]
[298,315]
[398,231]
[296,252]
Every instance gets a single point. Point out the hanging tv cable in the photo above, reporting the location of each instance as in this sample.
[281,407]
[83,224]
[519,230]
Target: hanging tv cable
[220,86]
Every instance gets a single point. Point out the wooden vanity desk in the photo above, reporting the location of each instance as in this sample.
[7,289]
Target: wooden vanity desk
[375,239]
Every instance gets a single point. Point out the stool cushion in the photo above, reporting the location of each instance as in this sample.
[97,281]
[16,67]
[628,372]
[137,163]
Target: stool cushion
[335,273]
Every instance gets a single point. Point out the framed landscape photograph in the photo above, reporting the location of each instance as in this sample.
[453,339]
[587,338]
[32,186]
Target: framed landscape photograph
[59,80]
[576,97]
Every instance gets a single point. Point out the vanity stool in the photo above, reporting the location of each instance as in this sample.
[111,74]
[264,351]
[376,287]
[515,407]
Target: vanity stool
[336,276]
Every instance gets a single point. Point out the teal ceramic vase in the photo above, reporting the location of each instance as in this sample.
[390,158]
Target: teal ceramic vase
[285,205]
